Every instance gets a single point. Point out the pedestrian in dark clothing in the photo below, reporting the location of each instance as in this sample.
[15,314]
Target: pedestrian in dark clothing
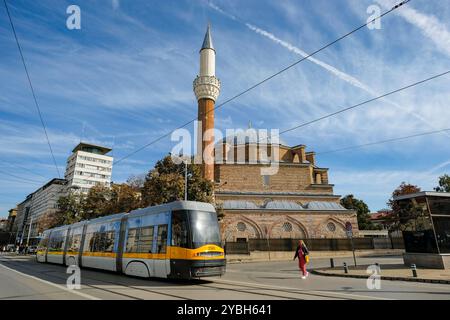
[301,252]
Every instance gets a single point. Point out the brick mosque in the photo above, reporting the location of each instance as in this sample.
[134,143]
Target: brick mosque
[296,202]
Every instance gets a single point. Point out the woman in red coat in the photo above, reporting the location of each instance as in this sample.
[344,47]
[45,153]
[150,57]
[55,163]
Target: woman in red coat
[301,253]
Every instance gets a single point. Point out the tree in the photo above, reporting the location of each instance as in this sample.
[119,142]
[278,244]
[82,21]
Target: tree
[165,183]
[123,198]
[362,212]
[444,184]
[50,220]
[70,207]
[98,202]
[136,182]
[399,213]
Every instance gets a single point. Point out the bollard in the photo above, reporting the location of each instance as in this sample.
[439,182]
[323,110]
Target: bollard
[345,268]
[414,270]
[332,262]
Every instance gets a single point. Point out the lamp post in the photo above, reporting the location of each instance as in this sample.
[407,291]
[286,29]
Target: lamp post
[29,231]
[185,180]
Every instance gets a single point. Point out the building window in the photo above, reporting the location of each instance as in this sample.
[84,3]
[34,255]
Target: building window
[266,180]
[241,226]
[331,227]
[287,227]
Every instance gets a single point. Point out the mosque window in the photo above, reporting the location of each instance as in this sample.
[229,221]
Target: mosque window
[287,227]
[241,226]
[331,226]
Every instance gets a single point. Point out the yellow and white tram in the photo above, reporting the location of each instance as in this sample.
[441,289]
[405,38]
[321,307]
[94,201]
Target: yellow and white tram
[175,240]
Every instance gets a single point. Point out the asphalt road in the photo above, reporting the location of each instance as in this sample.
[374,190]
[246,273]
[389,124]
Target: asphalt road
[23,278]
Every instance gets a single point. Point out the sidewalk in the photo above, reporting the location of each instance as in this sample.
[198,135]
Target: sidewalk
[260,256]
[396,272]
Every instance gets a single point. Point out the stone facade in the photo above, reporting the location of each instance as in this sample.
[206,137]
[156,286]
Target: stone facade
[297,202]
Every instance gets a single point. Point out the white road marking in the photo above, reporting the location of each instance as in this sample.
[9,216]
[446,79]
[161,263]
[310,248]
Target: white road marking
[84,295]
[305,292]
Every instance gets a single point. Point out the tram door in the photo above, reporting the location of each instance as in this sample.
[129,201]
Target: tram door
[161,262]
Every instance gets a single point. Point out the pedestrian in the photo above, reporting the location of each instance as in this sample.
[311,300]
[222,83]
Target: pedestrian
[302,253]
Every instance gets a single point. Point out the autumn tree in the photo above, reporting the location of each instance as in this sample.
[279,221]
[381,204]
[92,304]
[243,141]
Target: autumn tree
[98,202]
[50,220]
[362,212]
[70,207]
[399,213]
[165,183]
[136,182]
[123,198]
[444,184]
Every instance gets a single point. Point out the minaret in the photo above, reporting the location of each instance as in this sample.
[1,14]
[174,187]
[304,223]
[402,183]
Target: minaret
[207,89]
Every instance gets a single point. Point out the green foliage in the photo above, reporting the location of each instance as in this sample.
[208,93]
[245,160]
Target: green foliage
[70,208]
[362,212]
[400,213]
[444,184]
[165,183]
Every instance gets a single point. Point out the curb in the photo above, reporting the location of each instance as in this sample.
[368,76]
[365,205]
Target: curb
[358,276]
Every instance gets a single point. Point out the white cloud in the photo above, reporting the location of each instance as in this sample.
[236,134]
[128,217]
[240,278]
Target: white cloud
[430,26]
[334,71]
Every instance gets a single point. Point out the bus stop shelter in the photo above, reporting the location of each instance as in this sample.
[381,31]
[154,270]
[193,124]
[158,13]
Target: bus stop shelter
[424,219]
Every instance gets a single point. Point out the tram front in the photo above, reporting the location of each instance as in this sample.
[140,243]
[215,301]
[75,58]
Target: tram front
[195,249]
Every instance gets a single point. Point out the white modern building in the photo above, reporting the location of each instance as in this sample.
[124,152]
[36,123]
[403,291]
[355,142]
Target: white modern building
[88,166]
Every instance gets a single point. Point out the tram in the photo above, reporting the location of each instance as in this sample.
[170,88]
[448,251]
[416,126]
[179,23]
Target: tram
[179,240]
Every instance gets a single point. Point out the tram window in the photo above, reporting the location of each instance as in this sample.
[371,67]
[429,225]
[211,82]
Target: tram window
[180,229]
[88,242]
[109,241]
[162,238]
[145,242]
[43,244]
[132,240]
[56,244]
[94,242]
[74,243]
[101,242]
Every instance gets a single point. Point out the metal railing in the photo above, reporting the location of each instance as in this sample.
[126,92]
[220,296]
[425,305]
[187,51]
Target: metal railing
[366,243]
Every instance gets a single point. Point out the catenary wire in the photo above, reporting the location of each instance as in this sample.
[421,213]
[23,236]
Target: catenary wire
[31,87]
[383,141]
[264,80]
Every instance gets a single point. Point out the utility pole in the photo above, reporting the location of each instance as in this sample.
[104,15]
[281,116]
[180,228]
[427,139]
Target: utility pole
[29,231]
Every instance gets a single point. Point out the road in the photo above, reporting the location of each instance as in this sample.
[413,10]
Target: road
[21,277]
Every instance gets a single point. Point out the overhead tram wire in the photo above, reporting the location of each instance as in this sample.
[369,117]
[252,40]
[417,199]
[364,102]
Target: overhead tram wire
[383,141]
[31,87]
[265,80]
[365,102]
[23,168]
[18,177]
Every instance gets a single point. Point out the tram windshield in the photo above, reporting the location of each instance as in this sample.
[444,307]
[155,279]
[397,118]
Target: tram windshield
[193,229]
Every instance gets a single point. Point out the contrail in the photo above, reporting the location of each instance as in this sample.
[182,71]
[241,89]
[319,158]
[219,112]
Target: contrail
[430,26]
[341,75]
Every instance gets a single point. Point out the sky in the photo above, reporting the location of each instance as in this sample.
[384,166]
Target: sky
[125,78]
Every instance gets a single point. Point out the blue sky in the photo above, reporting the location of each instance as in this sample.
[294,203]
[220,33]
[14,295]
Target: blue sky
[126,78]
